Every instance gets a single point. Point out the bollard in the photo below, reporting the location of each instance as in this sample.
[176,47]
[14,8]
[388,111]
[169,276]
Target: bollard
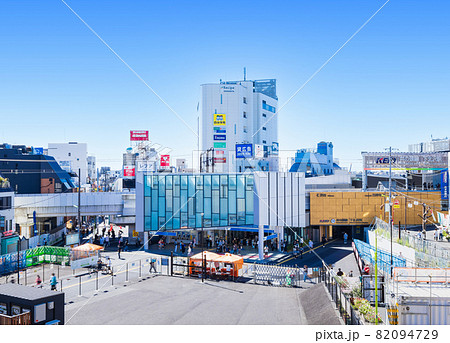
[58,271]
[112,276]
[43,269]
[79,286]
[140,268]
[126,280]
[96,281]
[61,284]
[26,277]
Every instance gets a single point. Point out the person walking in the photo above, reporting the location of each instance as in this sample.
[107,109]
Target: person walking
[106,241]
[324,240]
[119,249]
[345,237]
[53,282]
[175,247]
[38,282]
[301,251]
[152,265]
[311,244]
[103,231]
[305,272]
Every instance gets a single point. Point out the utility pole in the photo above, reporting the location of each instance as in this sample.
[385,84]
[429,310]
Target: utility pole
[390,203]
[79,205]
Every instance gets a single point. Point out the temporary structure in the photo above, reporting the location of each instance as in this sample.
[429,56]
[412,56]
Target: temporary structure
[228,259]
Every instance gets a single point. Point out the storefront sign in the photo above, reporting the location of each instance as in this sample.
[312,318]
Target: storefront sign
[405,161]
[221,145]
[128,171]
[220,119]
[220,160]
[218,129]
[220,137]
[244,150]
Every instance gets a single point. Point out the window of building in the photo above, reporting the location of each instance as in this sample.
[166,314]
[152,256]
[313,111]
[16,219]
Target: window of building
[264,115]
[69,154]
[264,128]
[268,107]
[245,114]
[264,142]
[244,100]
[245,129]
[5,203]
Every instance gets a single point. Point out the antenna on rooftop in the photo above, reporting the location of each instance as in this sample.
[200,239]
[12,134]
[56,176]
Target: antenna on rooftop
[245,74]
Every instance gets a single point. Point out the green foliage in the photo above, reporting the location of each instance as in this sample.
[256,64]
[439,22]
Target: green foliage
[356,291]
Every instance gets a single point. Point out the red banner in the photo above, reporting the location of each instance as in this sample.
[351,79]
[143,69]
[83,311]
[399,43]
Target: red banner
[220,160]
[165,160]
[129,171]
[138,135]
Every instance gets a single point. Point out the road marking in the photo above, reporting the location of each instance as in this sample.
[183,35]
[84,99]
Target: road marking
[319,246]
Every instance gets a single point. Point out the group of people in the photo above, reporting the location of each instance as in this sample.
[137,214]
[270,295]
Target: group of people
[53,282]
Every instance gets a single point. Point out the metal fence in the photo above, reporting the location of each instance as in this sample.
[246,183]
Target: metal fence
[367,253]
[436,254]
[341,299]
[274,275]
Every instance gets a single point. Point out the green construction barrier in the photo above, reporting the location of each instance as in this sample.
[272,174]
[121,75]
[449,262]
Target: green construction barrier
[47,254]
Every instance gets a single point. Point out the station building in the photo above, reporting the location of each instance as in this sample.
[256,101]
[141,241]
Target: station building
[221,204]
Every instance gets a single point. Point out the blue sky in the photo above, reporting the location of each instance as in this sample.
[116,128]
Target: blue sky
[389,86]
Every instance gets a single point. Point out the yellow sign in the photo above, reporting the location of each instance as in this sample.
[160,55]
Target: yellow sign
[220,119]
[135,233]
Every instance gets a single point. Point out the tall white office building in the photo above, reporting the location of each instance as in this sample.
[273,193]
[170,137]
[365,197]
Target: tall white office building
[240,113]
[71,157]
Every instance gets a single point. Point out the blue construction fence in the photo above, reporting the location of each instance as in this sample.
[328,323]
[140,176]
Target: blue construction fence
[367,253]
[31,257]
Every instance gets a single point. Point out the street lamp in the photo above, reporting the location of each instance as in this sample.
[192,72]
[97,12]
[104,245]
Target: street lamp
[390,203]
[203,258]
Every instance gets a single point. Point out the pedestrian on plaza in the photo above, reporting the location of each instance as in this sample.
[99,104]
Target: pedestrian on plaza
[311,244]
[102,240]
[340,272]
[107,241]
[436,234]
[266,251]
[103,231]
[350,274]
[324,240]
[113,234]
[38,282]
[152,265]
[119,249]
[175,247]
[301,251]
[189,250]
[345,237]
[138,242]
[183,248]
[125,247]
[305,272]
[53,282]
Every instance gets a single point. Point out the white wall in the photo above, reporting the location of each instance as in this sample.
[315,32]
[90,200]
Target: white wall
[75,153]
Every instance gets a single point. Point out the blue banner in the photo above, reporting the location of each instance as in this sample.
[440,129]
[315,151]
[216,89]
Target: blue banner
[220,137]
[444,184]
[244,150]
[34,223]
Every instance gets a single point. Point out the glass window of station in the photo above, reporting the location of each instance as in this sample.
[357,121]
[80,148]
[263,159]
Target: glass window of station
[178,201]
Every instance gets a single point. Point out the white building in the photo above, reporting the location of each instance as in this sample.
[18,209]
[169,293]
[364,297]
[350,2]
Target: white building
[240,112]
[436,145]
[91,169]
[71,157]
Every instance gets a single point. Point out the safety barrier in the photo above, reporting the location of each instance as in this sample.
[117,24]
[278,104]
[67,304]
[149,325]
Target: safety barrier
[423,275]
[367,253]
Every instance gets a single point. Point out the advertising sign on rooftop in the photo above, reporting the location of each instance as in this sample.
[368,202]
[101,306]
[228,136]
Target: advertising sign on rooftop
[405,161]
[244,150]
[138,135]
[165,160]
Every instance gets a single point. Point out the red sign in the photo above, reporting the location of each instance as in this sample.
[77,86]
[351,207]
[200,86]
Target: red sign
[8,233]
[165,160]
[138,135]
[220,160]
[128,171]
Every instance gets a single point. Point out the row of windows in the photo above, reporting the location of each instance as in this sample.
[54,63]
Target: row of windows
[5,203]
[178,201]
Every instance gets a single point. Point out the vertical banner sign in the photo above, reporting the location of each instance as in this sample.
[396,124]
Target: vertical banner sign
[444,184]
[275,148]
[165,160]
[138,135]
[34,223]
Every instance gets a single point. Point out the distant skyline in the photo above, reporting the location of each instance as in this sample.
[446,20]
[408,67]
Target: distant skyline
[388,86]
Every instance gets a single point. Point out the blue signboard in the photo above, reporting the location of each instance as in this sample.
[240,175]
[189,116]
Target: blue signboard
[35,231]
[275,148]
[444,184]
[220,137]
[219,129]
[244,150]
[39,151]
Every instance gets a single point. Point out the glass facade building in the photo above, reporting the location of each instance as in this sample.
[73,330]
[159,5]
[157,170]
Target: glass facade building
[173,201]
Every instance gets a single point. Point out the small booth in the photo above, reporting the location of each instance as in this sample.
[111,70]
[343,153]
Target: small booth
[28,305]
[85,255]
[217,266]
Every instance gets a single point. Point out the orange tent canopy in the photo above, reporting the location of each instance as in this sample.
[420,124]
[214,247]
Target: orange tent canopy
[88,247]
[237,260]
[210,256]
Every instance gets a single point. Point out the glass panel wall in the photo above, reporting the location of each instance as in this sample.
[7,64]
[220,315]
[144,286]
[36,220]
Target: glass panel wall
[177,201]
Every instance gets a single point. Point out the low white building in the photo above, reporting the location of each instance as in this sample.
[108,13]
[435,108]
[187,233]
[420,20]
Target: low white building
[71,157]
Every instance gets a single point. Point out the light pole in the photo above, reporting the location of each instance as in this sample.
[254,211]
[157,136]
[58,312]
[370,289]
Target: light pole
[390,204]
[79,207]
[203,258]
